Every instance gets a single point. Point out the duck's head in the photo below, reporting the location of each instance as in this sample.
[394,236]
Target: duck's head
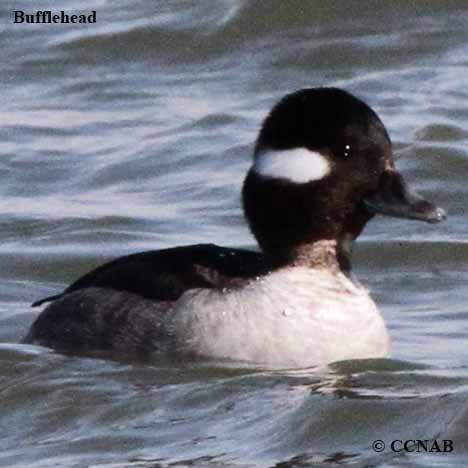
[323,167]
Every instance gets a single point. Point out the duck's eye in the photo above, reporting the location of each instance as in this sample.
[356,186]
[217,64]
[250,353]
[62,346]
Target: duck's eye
[347,151]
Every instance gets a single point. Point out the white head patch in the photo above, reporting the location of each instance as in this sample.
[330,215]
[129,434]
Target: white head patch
[298,165]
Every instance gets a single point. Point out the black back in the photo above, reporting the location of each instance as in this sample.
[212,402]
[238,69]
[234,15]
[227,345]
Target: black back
[164,275]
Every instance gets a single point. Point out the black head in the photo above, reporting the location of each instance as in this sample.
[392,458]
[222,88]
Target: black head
[322,167]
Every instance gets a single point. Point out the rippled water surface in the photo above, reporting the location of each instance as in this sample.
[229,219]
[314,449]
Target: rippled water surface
[135,133]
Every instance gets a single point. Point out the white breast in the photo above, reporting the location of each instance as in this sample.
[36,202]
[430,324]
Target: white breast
[295,317]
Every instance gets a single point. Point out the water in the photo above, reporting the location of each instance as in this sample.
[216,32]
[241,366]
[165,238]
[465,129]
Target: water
[134,134]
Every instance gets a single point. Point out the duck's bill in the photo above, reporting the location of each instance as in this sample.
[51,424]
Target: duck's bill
[394,198]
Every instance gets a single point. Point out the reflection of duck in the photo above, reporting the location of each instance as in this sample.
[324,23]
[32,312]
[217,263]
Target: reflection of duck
[322,168]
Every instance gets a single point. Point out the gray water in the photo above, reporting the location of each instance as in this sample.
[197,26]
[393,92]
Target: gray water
[134,134]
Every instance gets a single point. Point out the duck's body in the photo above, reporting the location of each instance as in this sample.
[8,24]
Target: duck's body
[228,305]
[323,166]
[126,305]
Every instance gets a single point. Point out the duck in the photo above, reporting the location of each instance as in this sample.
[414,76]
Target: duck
[322,168]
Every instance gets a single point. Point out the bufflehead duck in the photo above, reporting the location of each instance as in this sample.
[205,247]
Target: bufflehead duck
[322,168]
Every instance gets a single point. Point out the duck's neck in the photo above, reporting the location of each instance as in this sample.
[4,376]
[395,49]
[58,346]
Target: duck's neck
[329,254]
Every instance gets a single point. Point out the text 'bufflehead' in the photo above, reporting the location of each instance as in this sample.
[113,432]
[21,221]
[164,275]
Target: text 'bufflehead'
[322,168]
